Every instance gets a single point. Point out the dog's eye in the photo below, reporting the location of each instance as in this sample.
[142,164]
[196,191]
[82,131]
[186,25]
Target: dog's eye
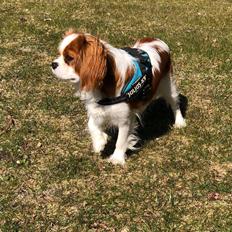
[68,58]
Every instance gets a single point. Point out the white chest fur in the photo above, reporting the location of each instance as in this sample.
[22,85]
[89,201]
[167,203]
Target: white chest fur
[112,115]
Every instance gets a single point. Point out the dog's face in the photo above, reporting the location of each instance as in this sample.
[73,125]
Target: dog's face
[82,59]
[64,66]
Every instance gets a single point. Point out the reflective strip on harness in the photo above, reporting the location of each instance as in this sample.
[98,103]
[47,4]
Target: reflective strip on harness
[137,75]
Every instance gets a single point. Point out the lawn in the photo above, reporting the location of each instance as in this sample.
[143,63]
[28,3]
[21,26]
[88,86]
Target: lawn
[179,180]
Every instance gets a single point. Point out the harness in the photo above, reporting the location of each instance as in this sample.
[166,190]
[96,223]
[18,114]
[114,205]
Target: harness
[139,87]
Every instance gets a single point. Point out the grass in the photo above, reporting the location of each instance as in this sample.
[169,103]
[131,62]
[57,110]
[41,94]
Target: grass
[180,180]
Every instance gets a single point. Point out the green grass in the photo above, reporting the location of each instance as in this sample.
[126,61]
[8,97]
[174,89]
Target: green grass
[49,178]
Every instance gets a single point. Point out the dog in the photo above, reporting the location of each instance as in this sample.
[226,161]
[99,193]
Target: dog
[100,72]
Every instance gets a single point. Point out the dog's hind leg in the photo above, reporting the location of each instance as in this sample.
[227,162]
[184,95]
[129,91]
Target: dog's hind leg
[167,90]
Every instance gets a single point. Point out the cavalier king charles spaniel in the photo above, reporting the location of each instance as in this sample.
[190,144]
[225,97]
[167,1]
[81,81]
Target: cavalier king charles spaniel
[100,71]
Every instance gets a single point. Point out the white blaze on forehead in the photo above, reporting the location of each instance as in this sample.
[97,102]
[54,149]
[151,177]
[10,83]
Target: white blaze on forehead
[160,44]
[155,42]
[66,41]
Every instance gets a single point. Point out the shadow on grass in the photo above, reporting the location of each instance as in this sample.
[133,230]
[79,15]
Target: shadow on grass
[157,120]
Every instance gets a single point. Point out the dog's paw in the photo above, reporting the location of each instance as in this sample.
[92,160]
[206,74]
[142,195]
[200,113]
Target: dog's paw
[117,158]
[99,143]
[180,123]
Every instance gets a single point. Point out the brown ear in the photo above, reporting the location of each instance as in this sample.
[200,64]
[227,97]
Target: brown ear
[93,64]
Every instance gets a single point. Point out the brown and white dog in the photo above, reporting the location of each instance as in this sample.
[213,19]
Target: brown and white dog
[100,70]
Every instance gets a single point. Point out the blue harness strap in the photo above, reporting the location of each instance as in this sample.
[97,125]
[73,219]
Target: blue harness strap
[139,87]
[137,75]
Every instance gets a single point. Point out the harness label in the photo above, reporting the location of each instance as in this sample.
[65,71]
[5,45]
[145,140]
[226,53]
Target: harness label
[137,87]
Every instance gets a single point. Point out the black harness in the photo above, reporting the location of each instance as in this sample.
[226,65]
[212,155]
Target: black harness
[139,87]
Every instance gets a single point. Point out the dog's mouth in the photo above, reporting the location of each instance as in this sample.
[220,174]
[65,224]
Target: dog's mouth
[73,80]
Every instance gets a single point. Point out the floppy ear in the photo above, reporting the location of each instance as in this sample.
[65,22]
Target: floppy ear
[93,64]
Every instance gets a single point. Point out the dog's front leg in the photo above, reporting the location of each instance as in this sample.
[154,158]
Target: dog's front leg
[99,137]
[119,155]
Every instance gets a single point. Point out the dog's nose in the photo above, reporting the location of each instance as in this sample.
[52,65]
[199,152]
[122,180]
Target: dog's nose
[54,65]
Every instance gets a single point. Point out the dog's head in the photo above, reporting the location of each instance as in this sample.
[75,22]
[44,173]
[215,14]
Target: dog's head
[82,59]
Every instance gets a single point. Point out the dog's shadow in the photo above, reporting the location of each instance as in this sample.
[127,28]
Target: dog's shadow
[157,120]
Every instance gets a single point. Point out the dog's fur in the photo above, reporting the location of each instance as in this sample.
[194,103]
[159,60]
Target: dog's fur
[100,70]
